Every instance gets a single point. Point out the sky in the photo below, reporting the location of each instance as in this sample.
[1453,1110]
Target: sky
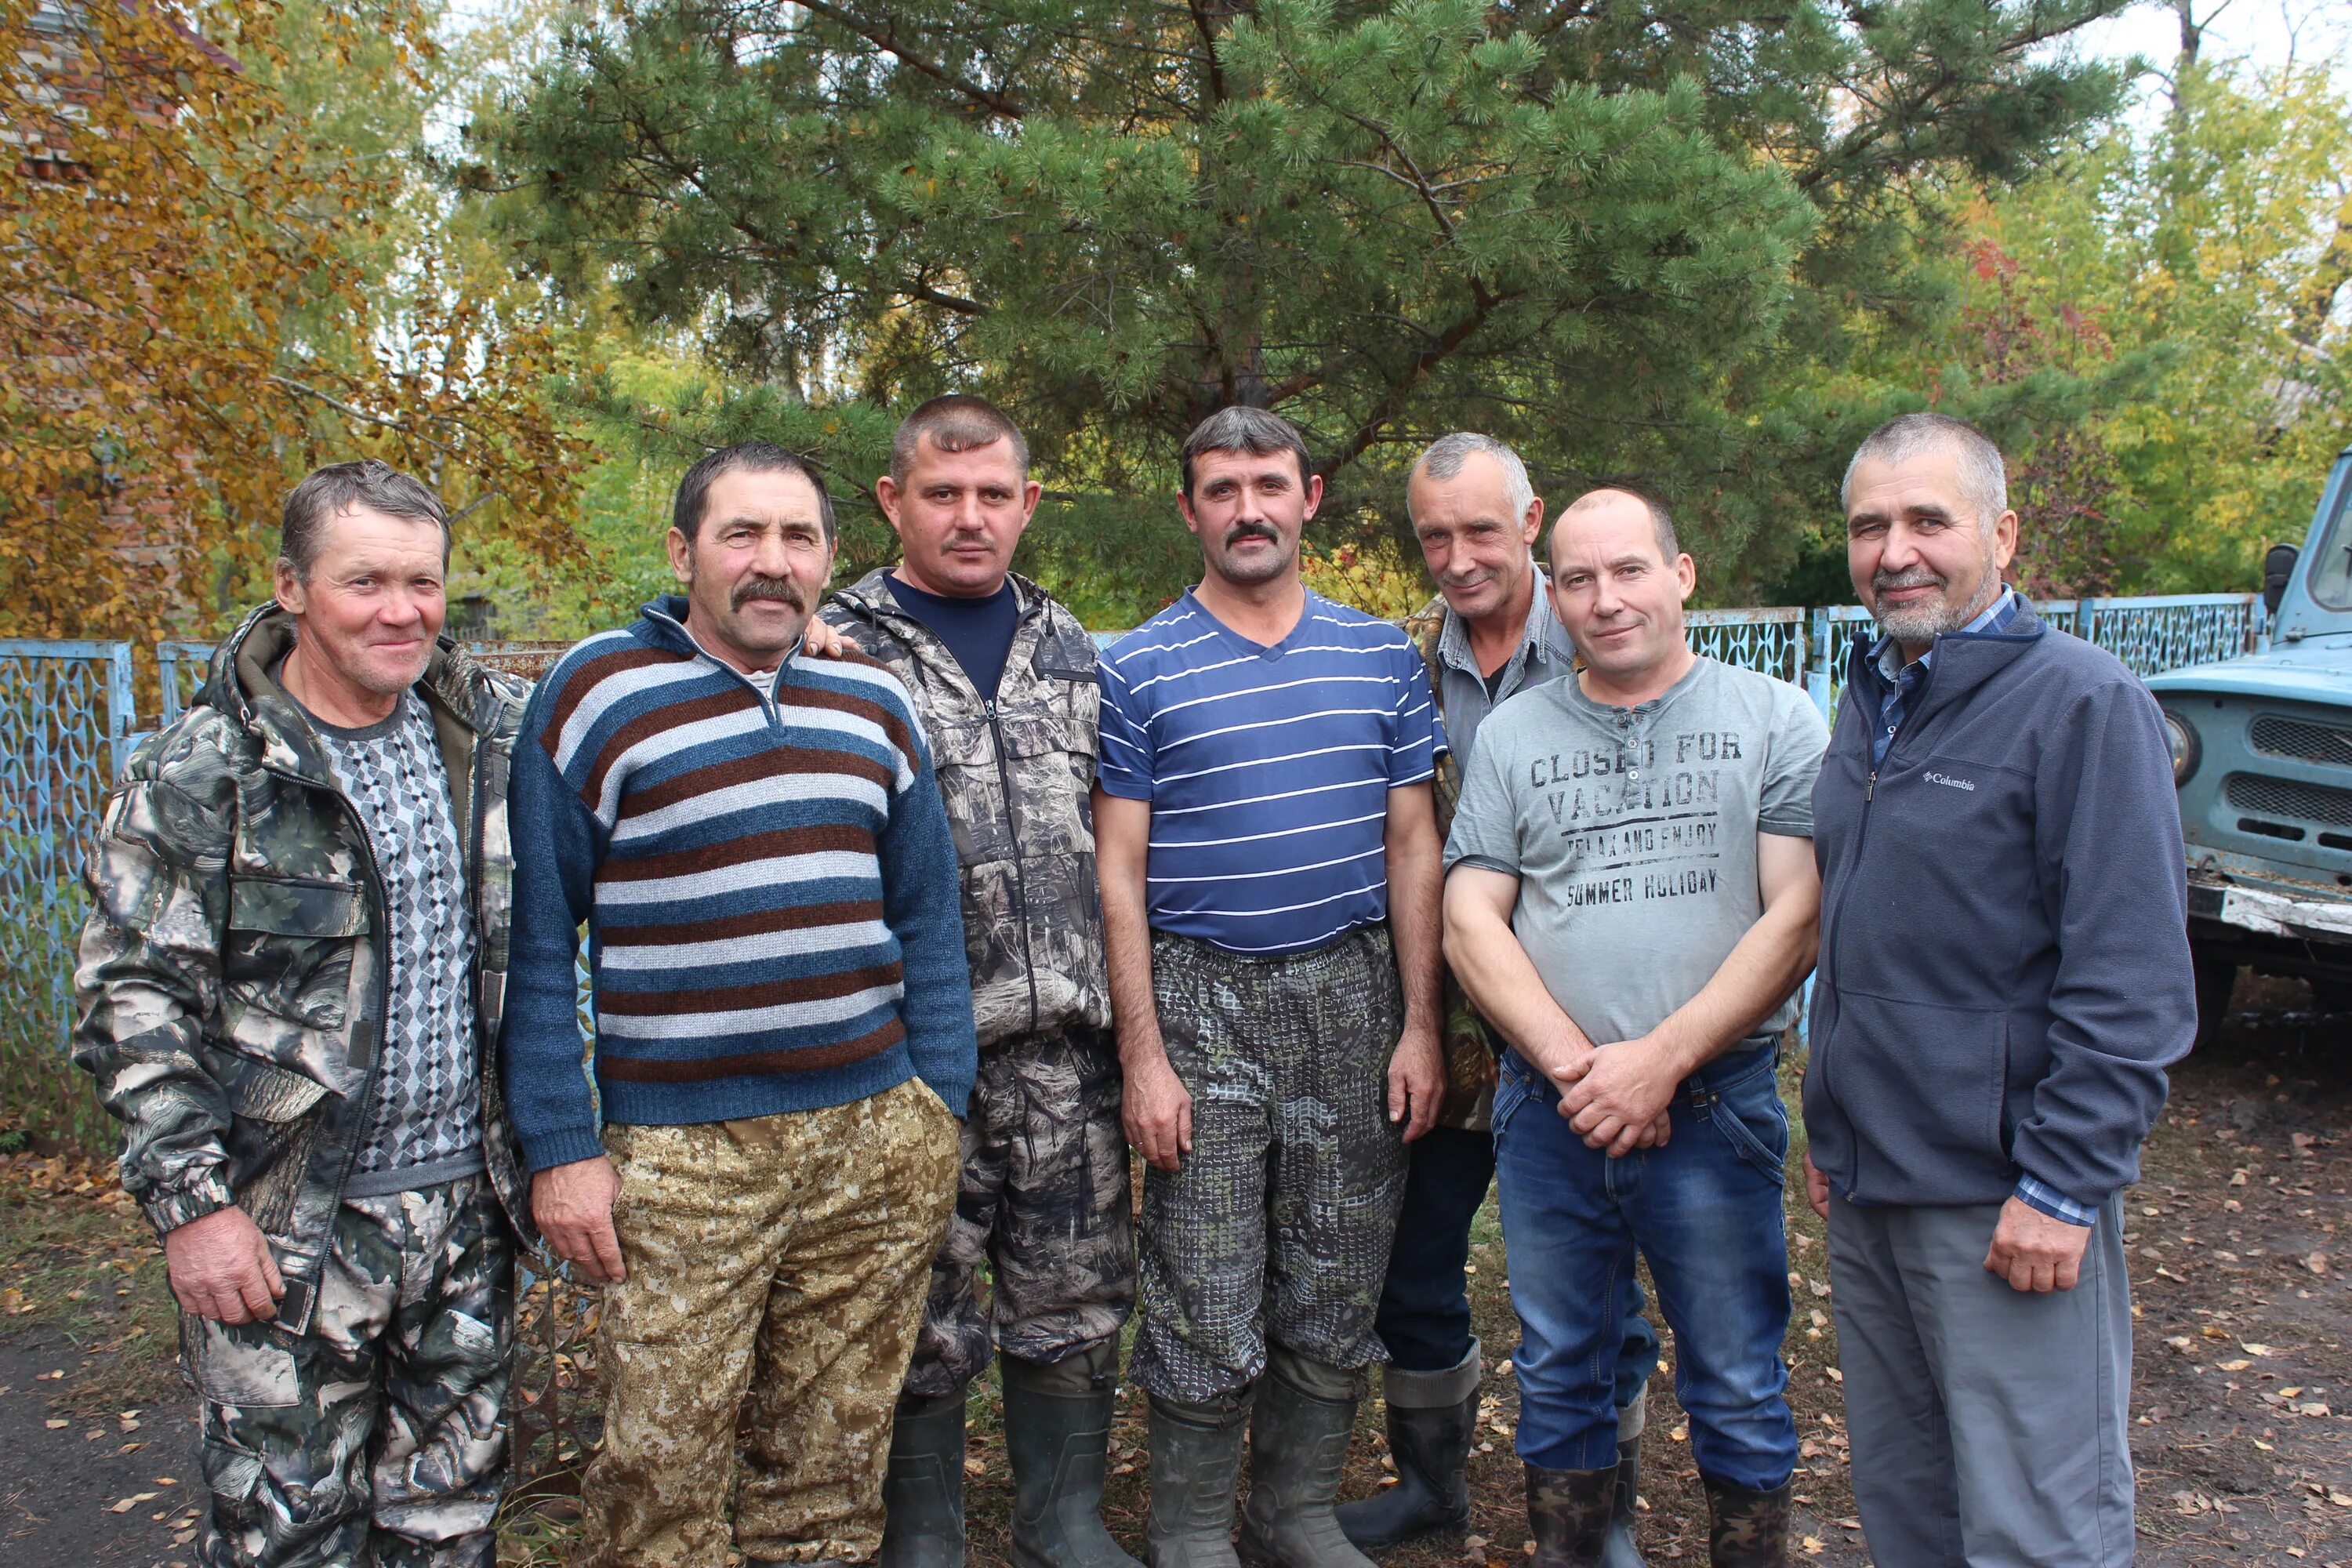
[2267,33]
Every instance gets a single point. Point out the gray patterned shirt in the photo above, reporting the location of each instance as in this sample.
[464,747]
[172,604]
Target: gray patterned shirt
[426,1126]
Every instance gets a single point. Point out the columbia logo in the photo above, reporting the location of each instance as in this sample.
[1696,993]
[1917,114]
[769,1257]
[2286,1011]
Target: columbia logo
[1951,783]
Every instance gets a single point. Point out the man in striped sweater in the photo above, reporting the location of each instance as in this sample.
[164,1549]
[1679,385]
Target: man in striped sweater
[754,839]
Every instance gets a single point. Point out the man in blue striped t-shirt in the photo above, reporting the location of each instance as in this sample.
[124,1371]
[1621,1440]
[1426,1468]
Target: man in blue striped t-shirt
[1269,860]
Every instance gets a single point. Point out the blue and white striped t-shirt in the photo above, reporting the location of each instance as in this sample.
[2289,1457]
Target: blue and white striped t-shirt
[1268,769]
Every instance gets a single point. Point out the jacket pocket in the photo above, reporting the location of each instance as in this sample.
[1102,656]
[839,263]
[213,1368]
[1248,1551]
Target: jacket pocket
[289,947]
[1920,1086]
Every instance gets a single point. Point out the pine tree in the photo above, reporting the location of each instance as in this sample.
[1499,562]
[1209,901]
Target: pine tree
[1600,231]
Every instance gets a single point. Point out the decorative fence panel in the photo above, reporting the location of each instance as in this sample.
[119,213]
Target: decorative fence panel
[2149,634]
[1770,642]
[65,721]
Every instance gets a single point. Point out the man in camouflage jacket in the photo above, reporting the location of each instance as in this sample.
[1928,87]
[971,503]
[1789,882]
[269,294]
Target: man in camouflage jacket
[290,985]
[1004,680]
[1490,634]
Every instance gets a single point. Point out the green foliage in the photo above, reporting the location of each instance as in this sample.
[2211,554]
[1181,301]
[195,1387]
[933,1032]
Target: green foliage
[2154,329]
[1614,236]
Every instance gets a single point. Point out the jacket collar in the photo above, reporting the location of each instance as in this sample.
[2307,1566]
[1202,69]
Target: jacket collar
[875,597]
[1964,660]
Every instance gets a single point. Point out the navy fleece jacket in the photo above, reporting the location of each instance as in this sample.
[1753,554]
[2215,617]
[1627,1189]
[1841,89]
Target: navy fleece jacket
[2004,965]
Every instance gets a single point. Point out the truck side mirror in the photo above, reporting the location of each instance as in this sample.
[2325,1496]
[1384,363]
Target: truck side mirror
[2278,566]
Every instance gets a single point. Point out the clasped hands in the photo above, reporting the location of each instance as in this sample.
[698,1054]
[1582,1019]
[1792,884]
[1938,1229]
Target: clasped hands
[1617,1100]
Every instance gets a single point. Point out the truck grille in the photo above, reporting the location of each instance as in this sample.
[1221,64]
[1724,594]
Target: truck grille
[2310,743]
[2286,798]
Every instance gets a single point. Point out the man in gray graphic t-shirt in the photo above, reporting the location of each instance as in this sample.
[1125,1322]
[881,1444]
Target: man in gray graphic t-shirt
[1631,902]
[1633,832]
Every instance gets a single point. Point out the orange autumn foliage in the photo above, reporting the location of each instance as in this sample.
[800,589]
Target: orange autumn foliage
[185,326]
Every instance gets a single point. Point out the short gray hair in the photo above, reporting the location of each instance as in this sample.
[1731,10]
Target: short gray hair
[327,493]
[1445,457]
[1984,481]
[1241,429]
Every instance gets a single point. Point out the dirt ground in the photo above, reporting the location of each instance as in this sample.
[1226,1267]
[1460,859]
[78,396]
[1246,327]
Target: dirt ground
[2240,1243]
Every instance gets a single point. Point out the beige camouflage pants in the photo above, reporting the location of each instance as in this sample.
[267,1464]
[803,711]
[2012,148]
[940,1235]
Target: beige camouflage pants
[782,1254]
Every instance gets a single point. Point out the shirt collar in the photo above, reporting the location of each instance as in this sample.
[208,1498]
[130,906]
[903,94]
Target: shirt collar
[1996,617]
[1538,635]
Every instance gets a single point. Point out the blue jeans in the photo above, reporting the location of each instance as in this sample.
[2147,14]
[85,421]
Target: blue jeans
[1424,1317]
[1706,1211]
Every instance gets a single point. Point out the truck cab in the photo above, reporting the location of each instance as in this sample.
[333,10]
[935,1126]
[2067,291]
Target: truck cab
[2262,755]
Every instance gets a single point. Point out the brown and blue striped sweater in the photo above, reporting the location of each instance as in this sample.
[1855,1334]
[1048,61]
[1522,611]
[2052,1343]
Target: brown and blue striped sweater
[769,886]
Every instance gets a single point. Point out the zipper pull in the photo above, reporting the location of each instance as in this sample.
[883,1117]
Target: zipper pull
[1870,789]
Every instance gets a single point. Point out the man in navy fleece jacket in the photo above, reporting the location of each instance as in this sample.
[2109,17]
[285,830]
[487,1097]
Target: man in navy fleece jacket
[755,840]
[2004,978]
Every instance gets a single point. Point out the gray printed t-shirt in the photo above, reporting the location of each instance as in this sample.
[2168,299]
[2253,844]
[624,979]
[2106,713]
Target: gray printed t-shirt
[1633,832]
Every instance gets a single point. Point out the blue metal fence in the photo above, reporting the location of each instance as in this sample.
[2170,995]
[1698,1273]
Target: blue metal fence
[2149,634]
[66,716]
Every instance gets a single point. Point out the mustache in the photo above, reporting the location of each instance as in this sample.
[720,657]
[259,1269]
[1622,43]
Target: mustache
[1242,530]
[1915,577]
[782,589]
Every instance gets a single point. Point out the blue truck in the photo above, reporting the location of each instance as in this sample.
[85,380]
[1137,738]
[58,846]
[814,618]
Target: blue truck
[2262,753]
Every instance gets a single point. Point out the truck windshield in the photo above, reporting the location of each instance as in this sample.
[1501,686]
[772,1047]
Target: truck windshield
[2331,569]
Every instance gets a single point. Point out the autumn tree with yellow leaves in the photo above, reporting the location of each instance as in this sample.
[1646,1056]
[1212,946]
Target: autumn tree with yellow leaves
[196,306]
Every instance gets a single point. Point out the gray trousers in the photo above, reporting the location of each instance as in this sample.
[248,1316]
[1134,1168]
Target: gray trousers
[1987,1423]
[1277,1226]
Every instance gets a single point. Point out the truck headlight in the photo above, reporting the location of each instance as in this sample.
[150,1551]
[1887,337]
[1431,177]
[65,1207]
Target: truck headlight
[2182,737]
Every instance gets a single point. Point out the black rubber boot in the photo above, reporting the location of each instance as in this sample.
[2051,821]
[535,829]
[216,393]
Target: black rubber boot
[1622,1551]
[922,1490]
[1747,1529]
[1057,1435]
[1196,1466]
[1568,1513]
[1432,1418]
[1298,1445]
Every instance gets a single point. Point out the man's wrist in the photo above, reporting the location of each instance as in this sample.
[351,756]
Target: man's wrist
[2043,1198]
[203,1192]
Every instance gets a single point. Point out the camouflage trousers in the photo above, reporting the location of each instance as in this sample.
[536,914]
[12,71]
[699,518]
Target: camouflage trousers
[1278,1225]
[1044,1201]
[380,1435]
[782,1256]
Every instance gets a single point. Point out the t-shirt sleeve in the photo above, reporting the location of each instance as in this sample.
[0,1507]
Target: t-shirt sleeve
[1798,739]
[1486,819]
[1417,735]
[1125,765]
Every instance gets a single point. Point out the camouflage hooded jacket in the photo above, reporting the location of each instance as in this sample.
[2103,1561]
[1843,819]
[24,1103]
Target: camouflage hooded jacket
[1016,770]
[234,971]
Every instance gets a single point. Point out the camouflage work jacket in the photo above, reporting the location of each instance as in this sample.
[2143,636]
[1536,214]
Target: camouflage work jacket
[1016,769]
[233,971]
[1473,1049]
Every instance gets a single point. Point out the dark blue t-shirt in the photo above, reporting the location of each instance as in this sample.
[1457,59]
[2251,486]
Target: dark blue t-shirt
[979,632]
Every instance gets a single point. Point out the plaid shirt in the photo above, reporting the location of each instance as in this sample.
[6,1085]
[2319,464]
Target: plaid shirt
[1904,682]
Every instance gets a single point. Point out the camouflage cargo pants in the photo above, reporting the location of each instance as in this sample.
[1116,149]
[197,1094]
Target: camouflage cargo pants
[782,1255]
[381,1435]
[1044,1201]
[1278,1225]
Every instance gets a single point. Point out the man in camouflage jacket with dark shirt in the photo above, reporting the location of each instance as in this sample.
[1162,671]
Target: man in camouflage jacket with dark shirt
[289,987]
[1004,680]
